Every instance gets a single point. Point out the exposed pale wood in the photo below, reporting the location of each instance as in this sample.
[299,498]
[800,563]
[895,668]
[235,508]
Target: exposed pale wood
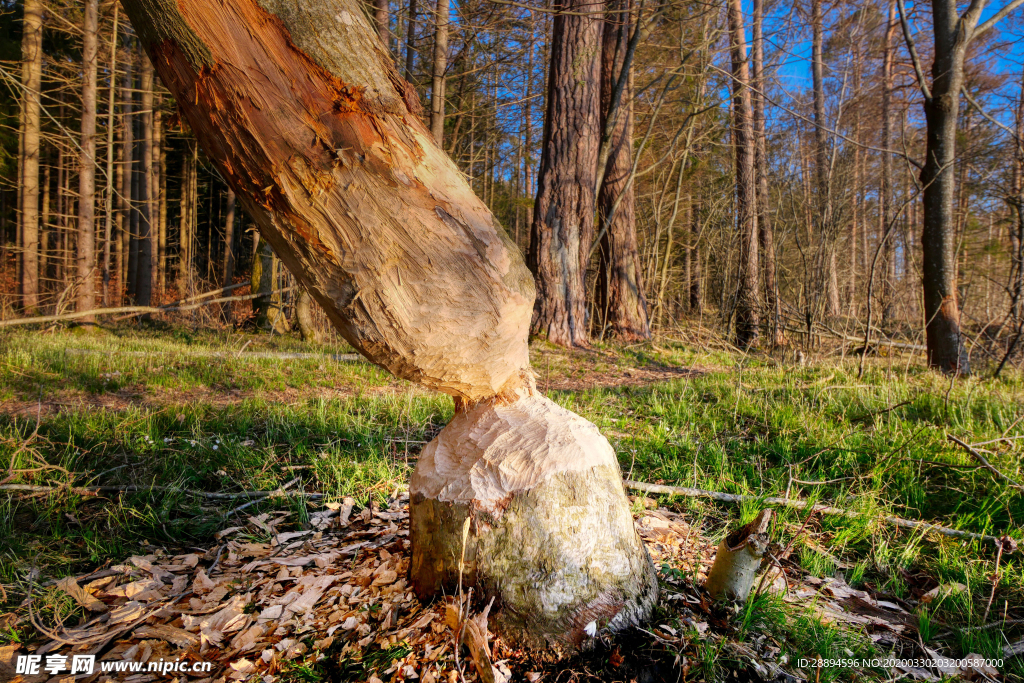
[300,107]
[542,488]
[738,559]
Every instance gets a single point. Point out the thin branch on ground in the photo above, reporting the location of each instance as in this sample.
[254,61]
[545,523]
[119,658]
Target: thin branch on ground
[803,505]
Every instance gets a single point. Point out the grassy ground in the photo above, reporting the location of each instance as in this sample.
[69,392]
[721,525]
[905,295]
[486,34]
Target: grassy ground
[170,407]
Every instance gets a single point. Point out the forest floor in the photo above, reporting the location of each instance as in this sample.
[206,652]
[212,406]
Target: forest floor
[177,415]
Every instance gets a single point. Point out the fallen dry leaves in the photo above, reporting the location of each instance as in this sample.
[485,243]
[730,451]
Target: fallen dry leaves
[262,602]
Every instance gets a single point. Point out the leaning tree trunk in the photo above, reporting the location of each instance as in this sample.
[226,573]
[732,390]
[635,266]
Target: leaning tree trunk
[298,105]
[563,218]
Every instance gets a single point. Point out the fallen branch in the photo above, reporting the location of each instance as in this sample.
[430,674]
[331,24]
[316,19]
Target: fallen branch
[131,488]
[860,340]
[984,463]
[135,310]
[802,505]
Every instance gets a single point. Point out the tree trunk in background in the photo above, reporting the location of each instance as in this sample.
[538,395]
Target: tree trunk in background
[144,276]
[827,248]
[126,207]
[563,217]
[31,80]
[304,317]
[946,349]
[748,307]
[1016,227]
[87,165]
[159,200]
[621,303]
[440,65]
[695,294]
[410,266]
[108,196]
[382,19]
[764,225]
[885,181]
[229,252]
[186,214]
[410,42]
[857,193]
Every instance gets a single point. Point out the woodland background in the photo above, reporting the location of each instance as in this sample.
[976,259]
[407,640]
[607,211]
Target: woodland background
[835,167]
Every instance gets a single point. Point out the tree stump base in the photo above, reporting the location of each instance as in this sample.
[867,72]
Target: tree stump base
[550,534]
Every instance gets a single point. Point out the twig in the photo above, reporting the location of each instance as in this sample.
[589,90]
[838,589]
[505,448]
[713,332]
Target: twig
[985,463]
[279,493]
[995,582]
[802,505]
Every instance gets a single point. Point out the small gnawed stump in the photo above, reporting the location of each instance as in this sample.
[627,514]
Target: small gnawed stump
[551,536]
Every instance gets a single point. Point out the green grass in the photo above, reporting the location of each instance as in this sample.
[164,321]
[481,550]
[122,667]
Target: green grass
[154,407]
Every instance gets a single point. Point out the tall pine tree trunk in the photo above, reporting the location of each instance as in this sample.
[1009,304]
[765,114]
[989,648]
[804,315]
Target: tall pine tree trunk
[766,234]
[748,309]
[108,196]
[885,181]
[440,66]
[87,164]
[829,276]
[128,184]
[31,80]
[144,276]
[621,302]
[228,274]
[563,217]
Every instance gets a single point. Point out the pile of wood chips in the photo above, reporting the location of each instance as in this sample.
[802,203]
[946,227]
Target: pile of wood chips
[264,604]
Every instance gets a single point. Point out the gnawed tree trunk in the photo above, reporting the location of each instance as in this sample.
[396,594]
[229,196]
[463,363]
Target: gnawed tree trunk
[298,105]
[563,217]
[621,303]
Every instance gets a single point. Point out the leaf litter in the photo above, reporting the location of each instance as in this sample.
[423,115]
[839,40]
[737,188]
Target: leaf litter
[263,604]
